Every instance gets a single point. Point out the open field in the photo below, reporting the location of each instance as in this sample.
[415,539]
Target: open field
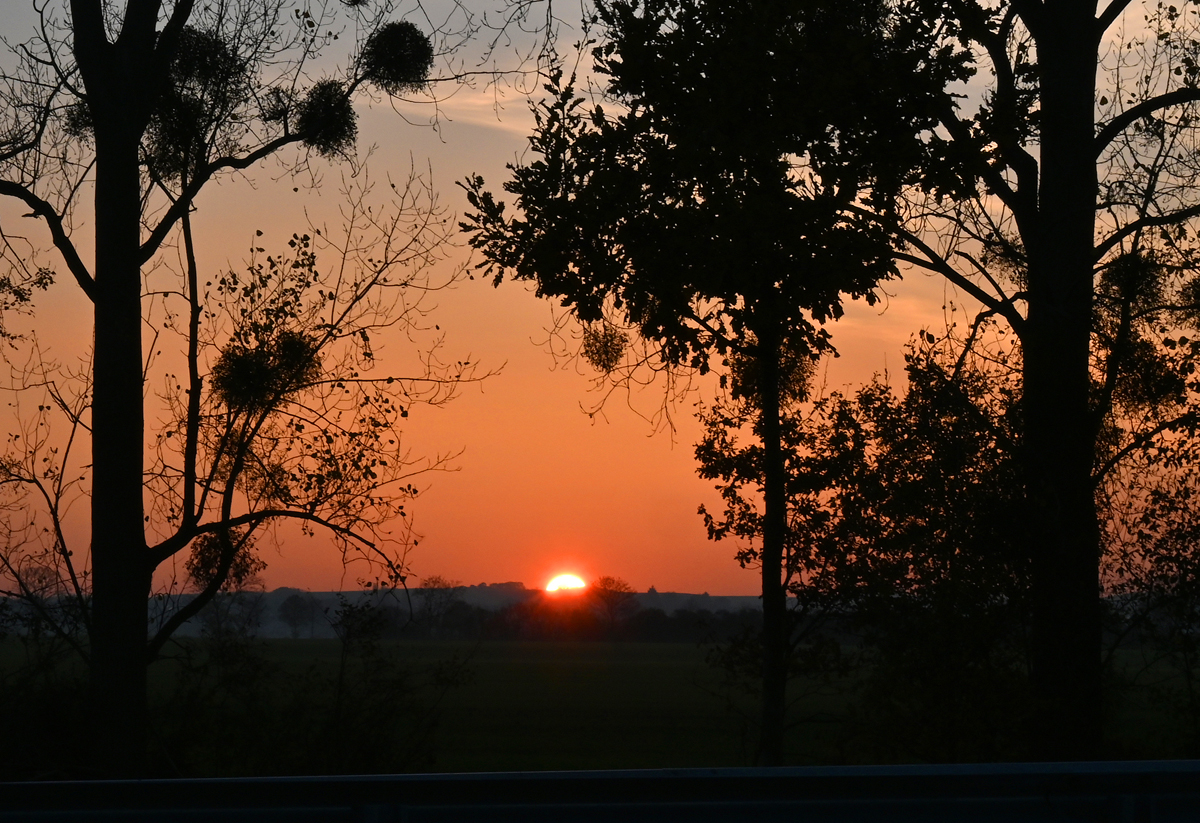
[273,707]
[584,706]
[594,705]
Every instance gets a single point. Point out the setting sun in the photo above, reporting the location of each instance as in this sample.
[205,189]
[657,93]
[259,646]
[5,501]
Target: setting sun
[565,581]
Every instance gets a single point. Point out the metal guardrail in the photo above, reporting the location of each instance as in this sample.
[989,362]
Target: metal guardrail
[1116,792]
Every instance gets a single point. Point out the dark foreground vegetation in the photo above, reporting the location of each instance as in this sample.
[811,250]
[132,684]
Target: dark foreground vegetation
[561,683]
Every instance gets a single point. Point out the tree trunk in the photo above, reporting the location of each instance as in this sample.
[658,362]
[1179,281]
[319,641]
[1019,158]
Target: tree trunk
[1064,534]
[774,596]
[120,568]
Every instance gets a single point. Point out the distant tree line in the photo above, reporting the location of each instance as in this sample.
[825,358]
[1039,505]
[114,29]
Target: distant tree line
[607,611]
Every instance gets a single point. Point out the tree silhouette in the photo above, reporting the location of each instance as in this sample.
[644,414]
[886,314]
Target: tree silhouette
[143,104]
[614,599]
[1071,172]
[298,611]
[437,599]
[710,219]
[1078,161]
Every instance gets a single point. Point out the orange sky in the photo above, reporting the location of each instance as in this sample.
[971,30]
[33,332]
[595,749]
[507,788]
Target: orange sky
[540,488]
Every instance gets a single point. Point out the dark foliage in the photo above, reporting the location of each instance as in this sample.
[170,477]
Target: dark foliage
[326,119]
[300,612]
[905,540]
[195,116]
[257,377]
[743,188]
[229,558]
[603,347]
[701,186]
[931,551]
[397,58]
[234,711]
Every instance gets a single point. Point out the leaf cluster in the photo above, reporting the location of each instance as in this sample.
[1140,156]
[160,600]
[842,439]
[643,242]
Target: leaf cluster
[326,118]
[258,378]
[913,496]
[226,559]
[197,115]
[397,58]
[705,209]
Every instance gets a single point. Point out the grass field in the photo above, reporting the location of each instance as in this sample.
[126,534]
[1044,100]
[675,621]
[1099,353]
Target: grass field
[524,706]
[570,705]
[578,705]
[535,706]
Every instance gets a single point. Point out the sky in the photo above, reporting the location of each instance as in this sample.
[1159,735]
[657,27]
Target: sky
[541,487]
[538,487]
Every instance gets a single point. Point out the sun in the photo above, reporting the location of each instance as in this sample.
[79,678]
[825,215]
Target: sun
[565,581]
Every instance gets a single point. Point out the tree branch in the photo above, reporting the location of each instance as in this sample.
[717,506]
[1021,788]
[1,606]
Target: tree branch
[984,273]
[54,222]
[192,434]
[1018,202]
[1187,418]
[192,608]
[177,541]
[33,601]
[51,501]
[995,43]
[141,16]
[936,264]
[1030,12]
[168,38]
[1149,222]
[184,202]
[88,38]
[1143,109]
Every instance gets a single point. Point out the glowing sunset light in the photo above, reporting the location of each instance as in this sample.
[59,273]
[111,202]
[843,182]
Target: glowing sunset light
[565,581]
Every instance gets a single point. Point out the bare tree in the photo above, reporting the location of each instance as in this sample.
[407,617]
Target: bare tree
[438,597]
[138,106]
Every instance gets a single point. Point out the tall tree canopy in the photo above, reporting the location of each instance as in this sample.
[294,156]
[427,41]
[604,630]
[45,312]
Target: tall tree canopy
[708,209]
[1082,166]
[1056,187]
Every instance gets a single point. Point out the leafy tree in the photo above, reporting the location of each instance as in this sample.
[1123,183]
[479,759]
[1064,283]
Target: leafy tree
[944,598]
[1073,164]
[437,600]
[1080,185]
[908,509]
[710,218]
[298,611]
[614,599]
[903,528]
[142,105]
